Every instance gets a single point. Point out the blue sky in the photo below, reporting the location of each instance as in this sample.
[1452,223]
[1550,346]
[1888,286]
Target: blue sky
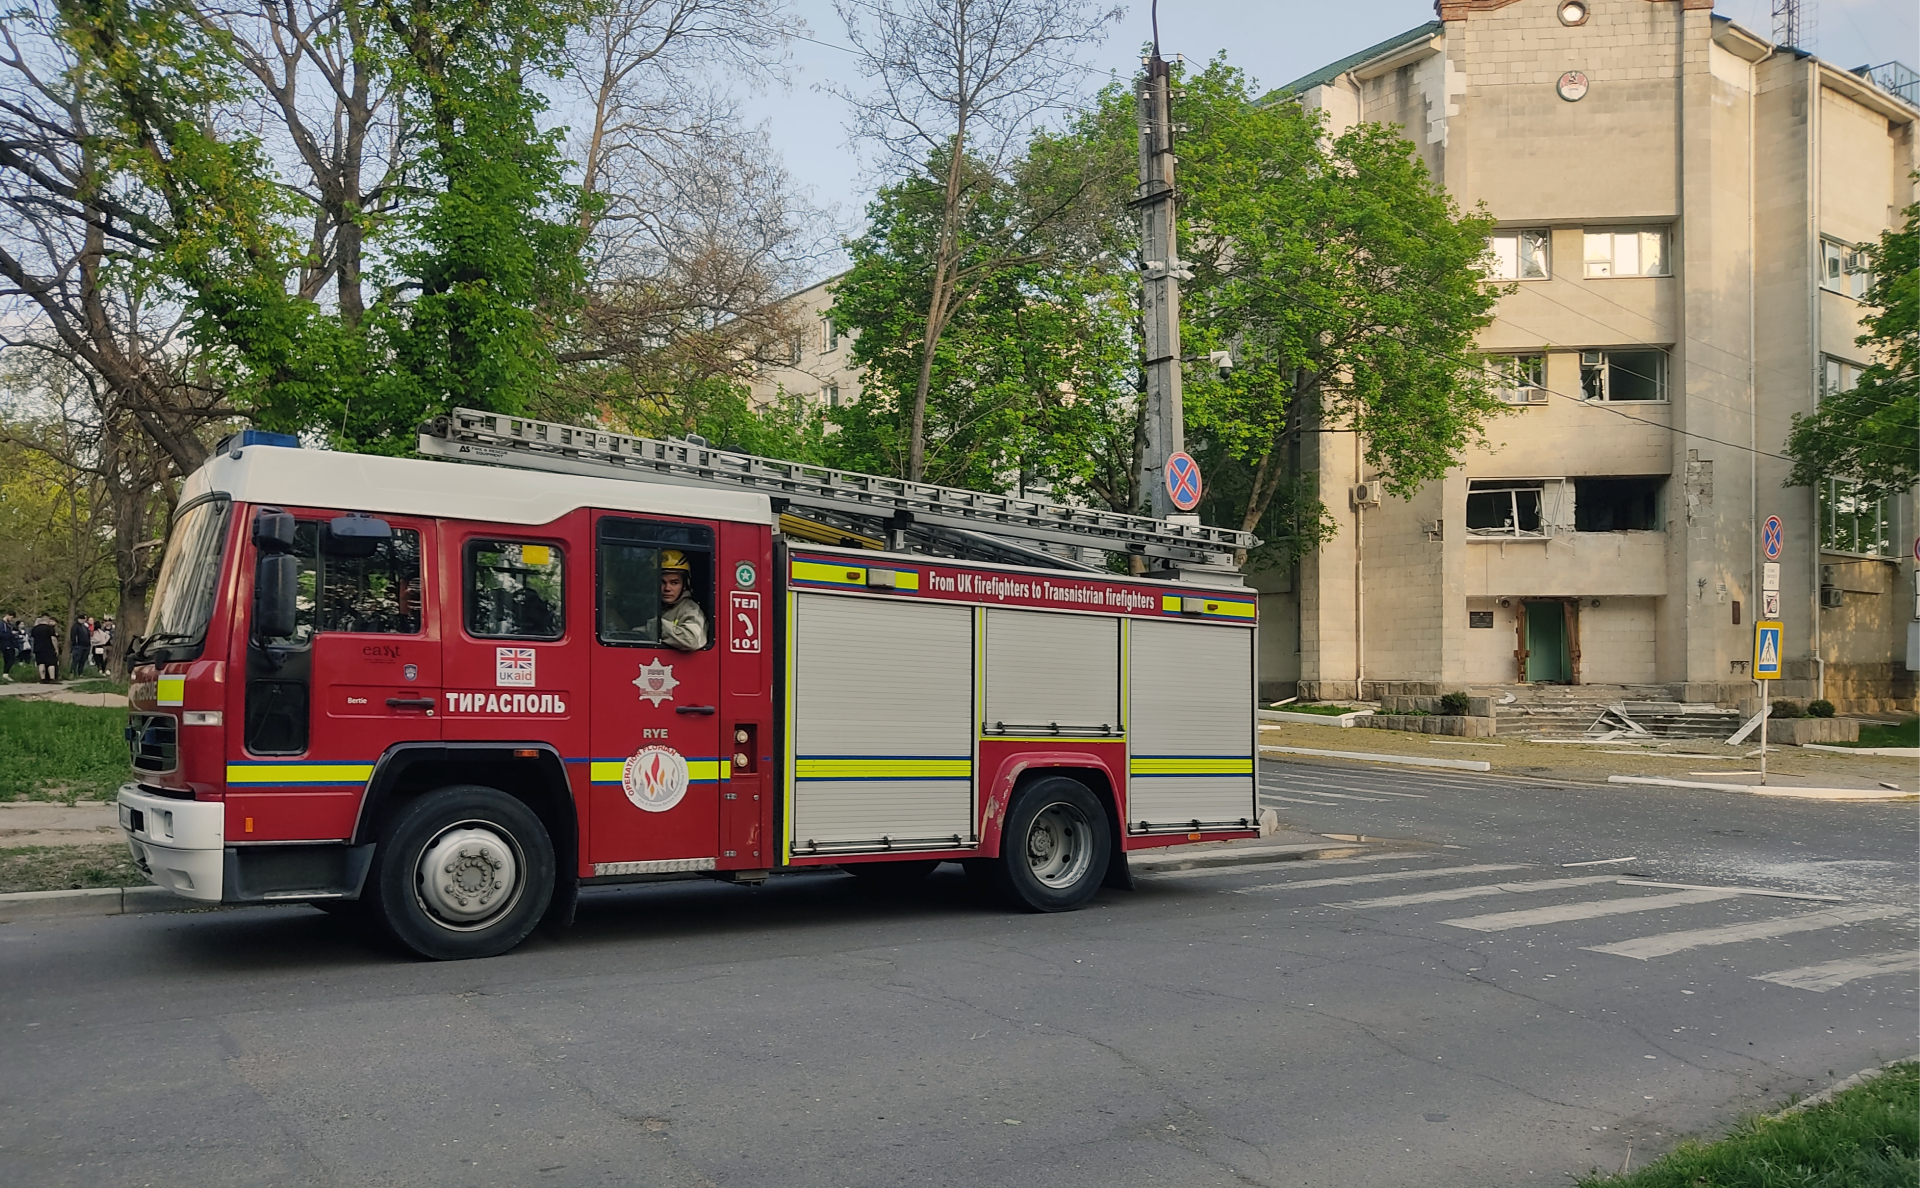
[1274,42]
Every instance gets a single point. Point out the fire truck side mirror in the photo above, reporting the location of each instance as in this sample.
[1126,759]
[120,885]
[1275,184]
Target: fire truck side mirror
[356,535]
[275,587]
[273,531]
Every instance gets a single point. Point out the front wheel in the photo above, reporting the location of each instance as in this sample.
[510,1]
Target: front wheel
[1053,849]
[463,872]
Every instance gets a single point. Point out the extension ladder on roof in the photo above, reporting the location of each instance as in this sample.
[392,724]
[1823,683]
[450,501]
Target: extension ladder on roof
[965,522]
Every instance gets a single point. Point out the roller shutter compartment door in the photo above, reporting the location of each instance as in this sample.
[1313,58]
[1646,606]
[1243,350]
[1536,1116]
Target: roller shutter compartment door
[1190,727]
[1048,671]
[883,724]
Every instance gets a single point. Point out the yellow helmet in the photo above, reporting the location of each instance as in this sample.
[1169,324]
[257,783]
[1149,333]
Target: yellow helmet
[674,559]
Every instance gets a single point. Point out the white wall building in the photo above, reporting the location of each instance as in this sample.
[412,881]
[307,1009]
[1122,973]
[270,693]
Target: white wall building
[1680,204]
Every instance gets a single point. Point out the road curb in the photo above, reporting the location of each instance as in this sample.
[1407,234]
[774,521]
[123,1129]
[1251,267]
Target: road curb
[1860,1078]
[93,901]
[1768,789]
[1405,760]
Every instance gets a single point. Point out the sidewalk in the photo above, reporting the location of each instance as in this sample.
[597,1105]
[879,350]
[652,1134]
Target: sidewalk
[1588,763]
[50,823]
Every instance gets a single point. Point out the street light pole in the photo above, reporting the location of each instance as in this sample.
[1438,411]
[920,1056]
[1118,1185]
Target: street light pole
[1161,273]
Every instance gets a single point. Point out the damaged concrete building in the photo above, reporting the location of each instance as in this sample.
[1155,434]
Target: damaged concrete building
[1681,206]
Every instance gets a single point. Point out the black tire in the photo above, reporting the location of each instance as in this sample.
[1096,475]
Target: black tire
[495,866]
[892,875]
[1053,848]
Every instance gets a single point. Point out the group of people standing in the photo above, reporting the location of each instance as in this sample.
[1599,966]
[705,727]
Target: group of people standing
[89,638]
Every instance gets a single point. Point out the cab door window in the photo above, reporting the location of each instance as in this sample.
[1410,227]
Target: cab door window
[515,590]
[368,588]
[634,556]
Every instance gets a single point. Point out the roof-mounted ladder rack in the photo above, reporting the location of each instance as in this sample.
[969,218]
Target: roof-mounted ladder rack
[466,435]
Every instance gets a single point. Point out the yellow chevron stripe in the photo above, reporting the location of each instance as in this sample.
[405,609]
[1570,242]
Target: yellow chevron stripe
[298,773]
[868,769]
[1148,767]
[1230,608]
[838,575]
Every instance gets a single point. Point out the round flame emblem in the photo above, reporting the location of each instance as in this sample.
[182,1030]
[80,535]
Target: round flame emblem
[655,778]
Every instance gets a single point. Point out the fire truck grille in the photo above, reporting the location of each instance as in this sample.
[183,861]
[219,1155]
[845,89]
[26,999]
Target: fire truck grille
[153,741]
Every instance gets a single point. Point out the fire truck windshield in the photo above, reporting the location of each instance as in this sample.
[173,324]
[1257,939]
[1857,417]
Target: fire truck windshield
[189,576]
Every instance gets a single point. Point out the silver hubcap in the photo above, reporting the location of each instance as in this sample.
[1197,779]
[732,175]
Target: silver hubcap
[468,876]
[1059,845]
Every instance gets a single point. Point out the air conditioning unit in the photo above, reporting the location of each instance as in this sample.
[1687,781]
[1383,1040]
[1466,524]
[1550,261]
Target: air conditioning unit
[1832,597]
[1365,494]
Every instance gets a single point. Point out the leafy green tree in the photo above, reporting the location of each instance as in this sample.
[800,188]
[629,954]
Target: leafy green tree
[1027,367]
[492,253]
[1348,288]
[1871,433]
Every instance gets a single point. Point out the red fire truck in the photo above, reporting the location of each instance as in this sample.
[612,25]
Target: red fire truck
[440,696]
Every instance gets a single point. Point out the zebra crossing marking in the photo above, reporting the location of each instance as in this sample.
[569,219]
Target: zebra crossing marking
[1827,975]
[1385,877]
[1645,947]
[1767,891]
[1474,892]
[1587,910]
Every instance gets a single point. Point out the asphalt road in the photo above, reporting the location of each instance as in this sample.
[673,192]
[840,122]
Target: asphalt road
[1380,1020]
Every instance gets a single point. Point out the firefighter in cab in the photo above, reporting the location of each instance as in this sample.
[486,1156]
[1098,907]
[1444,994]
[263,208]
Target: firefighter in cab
[683,624]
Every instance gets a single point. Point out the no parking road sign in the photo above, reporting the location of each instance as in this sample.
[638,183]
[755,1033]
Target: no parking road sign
[1766,650]
[1183,481]
[1771,537]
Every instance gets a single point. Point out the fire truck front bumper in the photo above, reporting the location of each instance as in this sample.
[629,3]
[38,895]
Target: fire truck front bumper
[180,844]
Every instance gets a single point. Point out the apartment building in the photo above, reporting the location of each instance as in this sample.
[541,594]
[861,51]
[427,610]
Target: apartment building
[819,360]
[1680,206]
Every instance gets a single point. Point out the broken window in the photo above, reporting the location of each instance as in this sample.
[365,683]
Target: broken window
[1520,379]
[1617,504]
[1506,507]
[1624,375]
[1518,255]
[1850,524]
[1627,251]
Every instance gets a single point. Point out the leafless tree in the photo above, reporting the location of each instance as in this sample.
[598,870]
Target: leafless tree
[696,230]
[330,114]
[961,84]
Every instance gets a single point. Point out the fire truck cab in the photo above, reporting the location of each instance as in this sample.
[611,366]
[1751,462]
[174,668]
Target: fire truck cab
[438,697]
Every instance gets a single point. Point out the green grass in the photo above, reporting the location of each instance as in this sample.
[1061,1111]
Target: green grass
[1881,734]
[1866,1137]
[50,751]
[99,685]
[63,868]
[1331,711]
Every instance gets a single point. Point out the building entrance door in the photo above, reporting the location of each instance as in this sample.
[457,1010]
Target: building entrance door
[1548,657]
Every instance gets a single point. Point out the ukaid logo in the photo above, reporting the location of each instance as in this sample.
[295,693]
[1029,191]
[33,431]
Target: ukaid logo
[655,778]
[513,667]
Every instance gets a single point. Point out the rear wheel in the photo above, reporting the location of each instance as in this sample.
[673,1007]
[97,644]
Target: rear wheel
[463,872]
[1053,848]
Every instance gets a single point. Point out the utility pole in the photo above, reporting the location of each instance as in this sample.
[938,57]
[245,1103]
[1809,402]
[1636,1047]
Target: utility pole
[1161,274]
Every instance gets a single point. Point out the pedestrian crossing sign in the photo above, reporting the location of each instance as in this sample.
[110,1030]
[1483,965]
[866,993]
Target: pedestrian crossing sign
[1766,650]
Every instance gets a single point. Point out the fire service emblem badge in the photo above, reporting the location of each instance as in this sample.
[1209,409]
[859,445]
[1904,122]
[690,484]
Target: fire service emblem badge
[655,682]
[655,778]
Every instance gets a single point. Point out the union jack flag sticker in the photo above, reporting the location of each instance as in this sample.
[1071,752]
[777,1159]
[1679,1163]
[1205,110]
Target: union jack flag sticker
[513,667]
